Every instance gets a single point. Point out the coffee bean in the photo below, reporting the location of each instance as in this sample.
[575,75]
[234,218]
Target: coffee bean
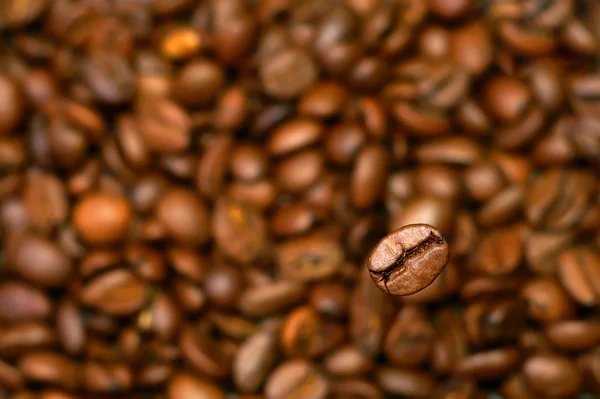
[488,365]
[270,298]
[313,257]
[577,270]
[409,340]
[419,251]
[198,82]
[187,386]
[546,300]
[404,382]
[290,73]
[255,359]
[20,338]
[12,102]
[551,374]
[294,379]
[38,260]
[184,215]
[371,312]
[239,230]
[574,335]
[294,135]
[50,367]
[22,302]
[116,292]
[102,218]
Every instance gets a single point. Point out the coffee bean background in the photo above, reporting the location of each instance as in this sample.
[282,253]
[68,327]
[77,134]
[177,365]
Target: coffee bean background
[190,189]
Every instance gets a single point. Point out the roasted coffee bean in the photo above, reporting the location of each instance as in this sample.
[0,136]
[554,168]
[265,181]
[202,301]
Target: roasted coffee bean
[578,270]
[102,218]
[21,302]
[403,382]
[296,379]
[574,335]
[38,260]
[312,257]
[184,216]
[552,375]
[12,102]
[187,386]
[288,74]
[487,365]
[255,359]
[239,230]
[410,338]
[408,260]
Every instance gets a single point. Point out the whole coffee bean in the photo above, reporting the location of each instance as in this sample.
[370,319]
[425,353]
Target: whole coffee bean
[574,335]
[313,257]
[187,386]
[116,292]
[70,326]
[410,338]
[408,260]
[46,200]
[288,73]
[38,260]
[21,302]
[184,215]
[223,285]
[355,389]
[292,219]
[552,375]
[254,360]
[487,365]
[296,379]
[371,312]
[368,178]
[11,103]
[294,135]
[558,198]
[16,339]
[50,367]
[198,82]
[164,125]
[270,298]
[546,300]
[239,230]
[102,218]
[201,352]
[324,100]
[330,298]
[248,162]
[405,382]
[578,270]
[347,361]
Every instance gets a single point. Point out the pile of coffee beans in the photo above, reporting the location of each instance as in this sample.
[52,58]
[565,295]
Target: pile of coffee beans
[192,193]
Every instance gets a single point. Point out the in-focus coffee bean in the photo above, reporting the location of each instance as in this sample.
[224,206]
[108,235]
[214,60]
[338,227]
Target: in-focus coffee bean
[408,260]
